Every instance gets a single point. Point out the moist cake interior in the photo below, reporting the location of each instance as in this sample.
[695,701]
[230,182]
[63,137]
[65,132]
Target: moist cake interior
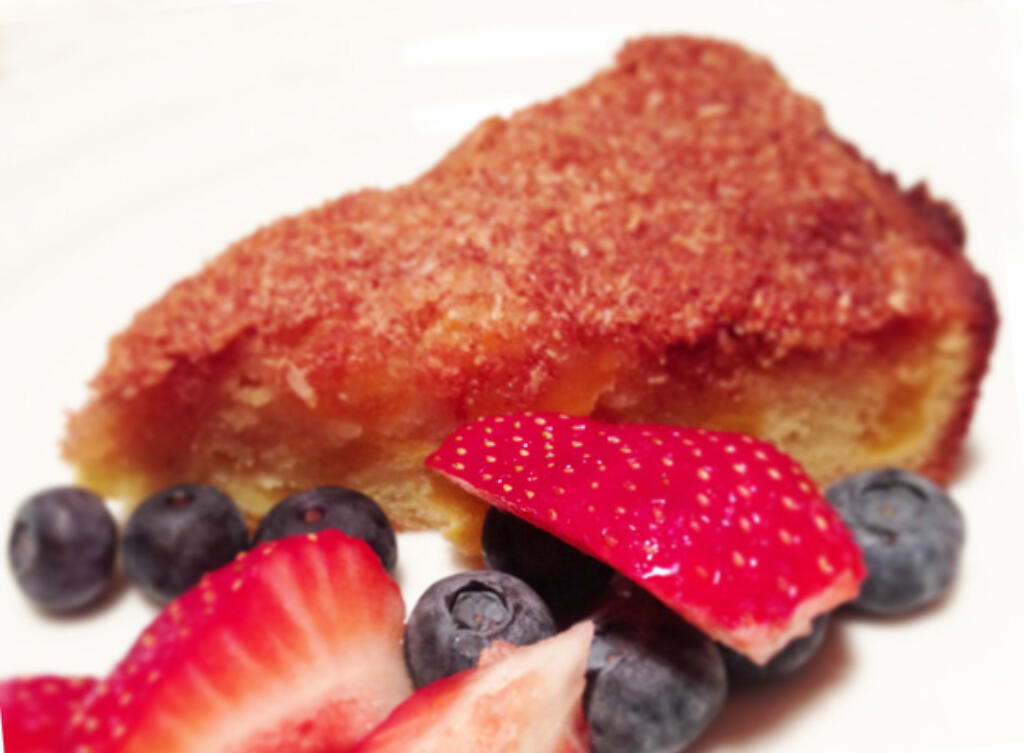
[891,398]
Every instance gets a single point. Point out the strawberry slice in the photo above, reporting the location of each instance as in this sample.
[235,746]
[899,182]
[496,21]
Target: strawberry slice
[518,700]
[35,710]
[725,529]
[576,734]
[296,645]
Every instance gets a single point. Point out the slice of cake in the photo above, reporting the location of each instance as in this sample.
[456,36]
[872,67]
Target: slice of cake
[681,240]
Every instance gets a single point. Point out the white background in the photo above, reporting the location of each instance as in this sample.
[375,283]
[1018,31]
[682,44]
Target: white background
[137,139]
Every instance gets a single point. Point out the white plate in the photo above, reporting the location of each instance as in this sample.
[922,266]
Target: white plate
[138,142]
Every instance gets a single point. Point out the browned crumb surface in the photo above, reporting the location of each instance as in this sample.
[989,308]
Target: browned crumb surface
[683,199]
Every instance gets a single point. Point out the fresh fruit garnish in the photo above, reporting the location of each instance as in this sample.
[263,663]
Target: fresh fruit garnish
[334,507]
[35,710]
[725,529]
[177,535]
[568,580]
[911,534]
[519,700]
[62,548]
[461,615]
[296,645]
[654,683]
[788,661]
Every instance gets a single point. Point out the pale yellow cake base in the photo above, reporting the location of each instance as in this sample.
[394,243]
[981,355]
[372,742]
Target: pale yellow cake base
[893,400]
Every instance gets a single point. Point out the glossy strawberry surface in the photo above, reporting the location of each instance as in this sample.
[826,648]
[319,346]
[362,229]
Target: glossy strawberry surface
[517,700]
[293,646]
[724,528]
[36,709]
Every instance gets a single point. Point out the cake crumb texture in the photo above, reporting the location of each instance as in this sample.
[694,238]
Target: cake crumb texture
[684,228]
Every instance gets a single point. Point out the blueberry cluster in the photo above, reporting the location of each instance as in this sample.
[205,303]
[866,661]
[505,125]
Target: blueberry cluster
[653,682]
[64,541]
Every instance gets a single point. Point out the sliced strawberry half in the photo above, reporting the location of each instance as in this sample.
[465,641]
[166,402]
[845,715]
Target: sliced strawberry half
[723,528]
[294,646]
[518,700]
[35,710]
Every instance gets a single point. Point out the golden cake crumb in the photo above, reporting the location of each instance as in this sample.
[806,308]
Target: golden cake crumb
[679,239]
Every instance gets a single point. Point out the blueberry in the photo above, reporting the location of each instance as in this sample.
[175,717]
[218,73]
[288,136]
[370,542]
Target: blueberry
[568,580]
[461,615]
[653,682]
[177,535]
[793,657]
[62,548]
[910,533]
[332,507]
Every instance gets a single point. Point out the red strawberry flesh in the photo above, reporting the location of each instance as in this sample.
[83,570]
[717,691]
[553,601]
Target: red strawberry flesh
[725,529]
[296,645]
[35,710]
[520,699]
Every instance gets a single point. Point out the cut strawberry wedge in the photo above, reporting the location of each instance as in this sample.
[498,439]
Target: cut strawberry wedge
[725,529]
[295,646]
[35,710]
[519,700]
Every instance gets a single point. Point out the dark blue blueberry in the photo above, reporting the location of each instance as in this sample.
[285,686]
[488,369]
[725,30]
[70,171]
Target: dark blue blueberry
[568,580]
[177,535]
[653,682]
[332,507]
[910,533]
[794,656]
[62,548]
[461,615]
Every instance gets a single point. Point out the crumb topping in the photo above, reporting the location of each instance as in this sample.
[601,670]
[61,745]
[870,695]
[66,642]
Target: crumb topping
[686,193]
